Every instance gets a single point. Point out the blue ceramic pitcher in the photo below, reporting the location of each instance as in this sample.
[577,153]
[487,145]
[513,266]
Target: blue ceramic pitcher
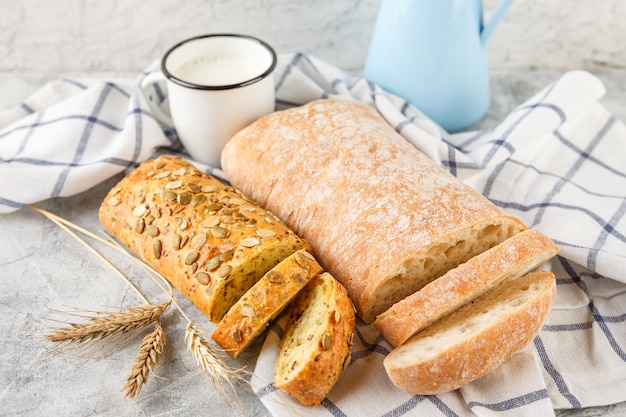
[433,54]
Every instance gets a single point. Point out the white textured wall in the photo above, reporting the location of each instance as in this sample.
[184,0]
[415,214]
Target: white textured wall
[126,35]
[560,34]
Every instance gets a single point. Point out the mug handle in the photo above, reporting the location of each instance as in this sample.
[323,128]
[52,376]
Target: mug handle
[145,86]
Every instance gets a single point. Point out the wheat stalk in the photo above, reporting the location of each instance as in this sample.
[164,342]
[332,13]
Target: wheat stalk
[66,225]
[149,353]
[107,324]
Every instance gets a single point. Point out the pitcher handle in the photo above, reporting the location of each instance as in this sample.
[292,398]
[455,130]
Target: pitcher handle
[495,19]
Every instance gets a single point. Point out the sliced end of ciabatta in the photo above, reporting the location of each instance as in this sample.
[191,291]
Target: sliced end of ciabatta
[475,339]
[434,260]
[316,345]
[253,312]
[512,258]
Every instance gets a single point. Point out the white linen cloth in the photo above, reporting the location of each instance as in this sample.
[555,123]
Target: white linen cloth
[558,162]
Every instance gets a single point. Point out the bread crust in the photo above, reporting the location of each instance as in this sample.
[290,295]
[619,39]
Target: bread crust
[316,344]
[510,259]
[253,312]
[375,210]
[471,357]
[208,239]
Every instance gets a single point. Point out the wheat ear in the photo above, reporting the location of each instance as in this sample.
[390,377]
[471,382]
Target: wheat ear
[210,363]
[149,354]
[107,324]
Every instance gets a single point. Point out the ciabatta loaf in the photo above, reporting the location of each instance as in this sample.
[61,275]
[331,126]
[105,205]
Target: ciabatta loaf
[510,259]
[381,217]
[315,347]
[209,240]
[475,339]
[254,311]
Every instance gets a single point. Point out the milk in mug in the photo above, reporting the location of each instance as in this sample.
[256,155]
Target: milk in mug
[219,70]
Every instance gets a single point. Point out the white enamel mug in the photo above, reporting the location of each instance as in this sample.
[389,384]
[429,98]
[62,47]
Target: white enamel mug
[217,84]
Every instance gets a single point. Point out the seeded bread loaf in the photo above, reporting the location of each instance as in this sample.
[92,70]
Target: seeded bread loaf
[382,218]
[510,259]
[250,316]
[315,347]
[475,339]
[209,240]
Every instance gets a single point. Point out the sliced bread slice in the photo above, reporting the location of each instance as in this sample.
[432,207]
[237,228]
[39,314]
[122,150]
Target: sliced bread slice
[315,348]
[253,312]
[475,339]
[512,258]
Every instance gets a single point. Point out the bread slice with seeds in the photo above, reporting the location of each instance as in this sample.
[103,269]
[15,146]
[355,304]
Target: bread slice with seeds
[208,239]
[250,316]
[316,344]
[475,339]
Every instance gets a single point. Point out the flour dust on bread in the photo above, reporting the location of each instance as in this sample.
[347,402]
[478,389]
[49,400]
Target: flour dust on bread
[316,344]
[510,259]
[254,311]
[208,239]
[475,339]
[381,217]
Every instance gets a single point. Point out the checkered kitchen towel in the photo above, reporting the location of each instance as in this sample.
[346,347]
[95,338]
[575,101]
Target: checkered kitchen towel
[557,161]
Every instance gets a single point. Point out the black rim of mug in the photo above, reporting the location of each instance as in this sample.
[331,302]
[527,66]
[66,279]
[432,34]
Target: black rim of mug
[187,84]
